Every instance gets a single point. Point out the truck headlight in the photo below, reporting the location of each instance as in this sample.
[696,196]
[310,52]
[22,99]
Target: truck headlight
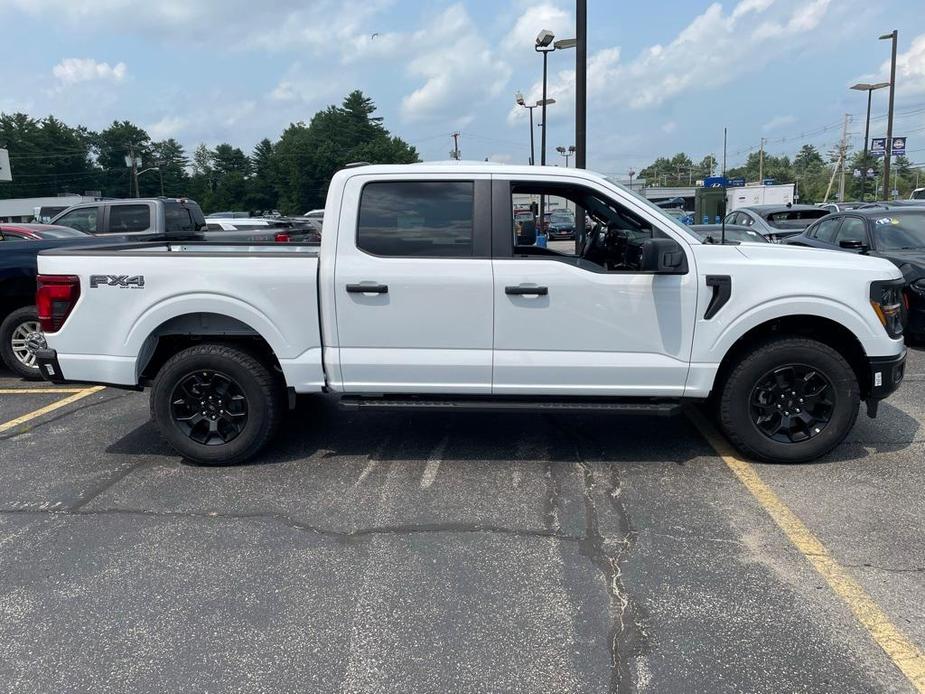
[886,299]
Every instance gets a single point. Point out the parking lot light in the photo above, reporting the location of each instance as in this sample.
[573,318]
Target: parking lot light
[546,44]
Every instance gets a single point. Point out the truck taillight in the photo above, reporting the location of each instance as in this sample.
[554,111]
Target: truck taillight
[54,299]
[282,237]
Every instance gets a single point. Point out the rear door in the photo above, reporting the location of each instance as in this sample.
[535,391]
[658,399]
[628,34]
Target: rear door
[413,284]
[130,218]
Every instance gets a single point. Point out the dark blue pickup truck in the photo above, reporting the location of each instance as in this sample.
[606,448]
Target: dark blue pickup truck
[20,335]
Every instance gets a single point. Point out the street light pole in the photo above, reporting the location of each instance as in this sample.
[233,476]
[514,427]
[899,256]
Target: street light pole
[888,155]
[869,88]
[543,138]
[581,83]
[545,45]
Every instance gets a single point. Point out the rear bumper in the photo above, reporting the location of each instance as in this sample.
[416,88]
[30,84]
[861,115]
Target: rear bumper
[47,360]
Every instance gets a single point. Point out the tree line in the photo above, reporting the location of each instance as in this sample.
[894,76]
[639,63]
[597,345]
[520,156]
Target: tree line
[808,169]
[49,157]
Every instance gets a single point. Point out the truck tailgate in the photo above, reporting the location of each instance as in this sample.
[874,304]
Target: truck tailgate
[129,297]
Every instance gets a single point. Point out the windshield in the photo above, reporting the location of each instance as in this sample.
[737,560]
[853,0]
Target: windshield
[672,221]
[899,231]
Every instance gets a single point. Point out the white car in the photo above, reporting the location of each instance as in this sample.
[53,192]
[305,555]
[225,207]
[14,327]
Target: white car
[419,297]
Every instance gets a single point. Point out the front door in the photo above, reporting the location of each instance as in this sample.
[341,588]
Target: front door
[576,318]
[413,285]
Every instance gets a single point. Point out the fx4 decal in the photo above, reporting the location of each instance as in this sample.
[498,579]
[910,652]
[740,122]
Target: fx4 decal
[121,281]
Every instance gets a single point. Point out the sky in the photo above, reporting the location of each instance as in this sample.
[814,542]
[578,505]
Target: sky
[664,75]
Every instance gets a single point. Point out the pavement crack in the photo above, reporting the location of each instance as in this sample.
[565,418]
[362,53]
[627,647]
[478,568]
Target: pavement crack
[341,535]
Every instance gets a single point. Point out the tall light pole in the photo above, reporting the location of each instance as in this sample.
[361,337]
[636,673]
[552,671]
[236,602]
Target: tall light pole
[631,173]
[893,36]
[581,83]
[519,97]
[870,89]
[545,45]
[566,152]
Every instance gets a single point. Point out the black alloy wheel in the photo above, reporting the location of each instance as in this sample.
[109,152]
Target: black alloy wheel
[209,407]
[792,403]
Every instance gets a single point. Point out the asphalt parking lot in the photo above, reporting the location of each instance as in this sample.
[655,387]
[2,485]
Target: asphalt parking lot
[370,552]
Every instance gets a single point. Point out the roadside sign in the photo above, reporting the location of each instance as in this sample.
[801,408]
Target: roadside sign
[899,146]
[715,182]
[878,146]
[6,173]
[737,182]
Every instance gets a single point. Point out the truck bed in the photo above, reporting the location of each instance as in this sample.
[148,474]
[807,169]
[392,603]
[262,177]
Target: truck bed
[231,290]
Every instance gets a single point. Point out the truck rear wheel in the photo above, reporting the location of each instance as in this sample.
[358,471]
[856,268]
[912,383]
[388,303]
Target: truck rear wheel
[791,400]
[216,404]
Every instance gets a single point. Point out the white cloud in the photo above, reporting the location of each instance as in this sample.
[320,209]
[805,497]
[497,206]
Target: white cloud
[714,49]
[910,68]
[459,69]
[75,70]
[168,126]
[778,122]
[669,127]
[535,18]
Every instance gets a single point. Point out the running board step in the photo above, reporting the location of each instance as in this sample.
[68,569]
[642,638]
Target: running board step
[629,406]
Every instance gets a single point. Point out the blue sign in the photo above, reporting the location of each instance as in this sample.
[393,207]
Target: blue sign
[769,182]
[715,182]
[899,146]
[878,146]
[736,182]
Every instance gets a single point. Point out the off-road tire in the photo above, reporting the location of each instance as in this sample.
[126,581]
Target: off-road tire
[735,414]
[265,401]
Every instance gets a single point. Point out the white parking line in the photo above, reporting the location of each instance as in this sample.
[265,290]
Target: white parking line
[433,463]
[373,462]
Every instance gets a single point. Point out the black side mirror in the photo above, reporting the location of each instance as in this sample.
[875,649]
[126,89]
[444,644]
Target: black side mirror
[853,245]
[663,256]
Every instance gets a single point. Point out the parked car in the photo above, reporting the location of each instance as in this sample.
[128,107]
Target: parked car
[892,204]
[839,206]
[419,297]
[261,230]
[776,222]
[917,194]
[713,233]
[681,215]
[139,217]
[20,334]
[38,232]
[896,234]
[560,225]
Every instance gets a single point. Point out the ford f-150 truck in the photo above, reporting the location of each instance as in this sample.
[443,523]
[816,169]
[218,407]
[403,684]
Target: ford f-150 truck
[420,297]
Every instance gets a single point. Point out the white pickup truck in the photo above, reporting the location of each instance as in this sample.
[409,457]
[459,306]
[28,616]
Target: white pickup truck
[424,294]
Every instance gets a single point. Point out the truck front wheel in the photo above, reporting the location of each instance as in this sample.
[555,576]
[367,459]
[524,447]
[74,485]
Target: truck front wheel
[216,404]
[791,400]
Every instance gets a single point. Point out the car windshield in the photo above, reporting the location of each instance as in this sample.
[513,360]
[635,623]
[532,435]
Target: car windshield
[899,231]
[673,221]
[794,218]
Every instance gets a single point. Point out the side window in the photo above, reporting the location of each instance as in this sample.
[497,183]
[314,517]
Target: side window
[417,219]
[613,242]
[127,218]
[732,217]
[852,229]
[745,219]
[84,219]
[826,229]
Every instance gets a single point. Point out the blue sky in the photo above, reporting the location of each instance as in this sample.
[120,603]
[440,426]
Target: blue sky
[665,75]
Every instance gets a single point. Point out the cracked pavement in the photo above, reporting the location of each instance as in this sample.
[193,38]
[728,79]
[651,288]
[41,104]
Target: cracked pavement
[369,552]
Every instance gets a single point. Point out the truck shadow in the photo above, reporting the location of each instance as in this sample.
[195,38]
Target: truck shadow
[319,429]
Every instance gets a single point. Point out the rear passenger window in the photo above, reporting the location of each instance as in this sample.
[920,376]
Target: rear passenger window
[417,219]
[181,218]
[826,229]
[126,218]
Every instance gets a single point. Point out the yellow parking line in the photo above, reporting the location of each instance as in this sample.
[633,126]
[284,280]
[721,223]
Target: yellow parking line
[904,654]
[33,391]
[58,404]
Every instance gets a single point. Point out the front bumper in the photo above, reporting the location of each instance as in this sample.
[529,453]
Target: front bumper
[47,360]
[886,374]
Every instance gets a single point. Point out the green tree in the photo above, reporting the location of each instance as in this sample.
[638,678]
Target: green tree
[171,160]
[261,189]
[47,157]
[113,145]
[306,156]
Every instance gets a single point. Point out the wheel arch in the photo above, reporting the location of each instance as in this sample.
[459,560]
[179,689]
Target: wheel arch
[826,330]
[181,331]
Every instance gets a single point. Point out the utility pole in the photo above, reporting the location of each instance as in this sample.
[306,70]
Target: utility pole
[888,155]
[761,161]
[455,152]
[840,162]
[843,157]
